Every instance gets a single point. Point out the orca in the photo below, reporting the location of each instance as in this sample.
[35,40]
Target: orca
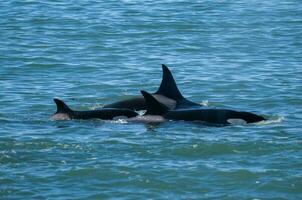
[65,113]
[207,116]
[167,94]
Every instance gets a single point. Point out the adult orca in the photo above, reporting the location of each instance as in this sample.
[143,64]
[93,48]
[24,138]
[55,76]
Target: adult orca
[65,113]
[208,116]
[167,94]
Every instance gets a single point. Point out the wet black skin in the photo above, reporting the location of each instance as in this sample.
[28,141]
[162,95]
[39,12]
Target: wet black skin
[168,94]
[133,103]
[212,116]
[105,114]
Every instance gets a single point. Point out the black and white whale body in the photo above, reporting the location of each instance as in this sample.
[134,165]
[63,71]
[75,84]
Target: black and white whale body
[167,94]
[210,116]
[65,113]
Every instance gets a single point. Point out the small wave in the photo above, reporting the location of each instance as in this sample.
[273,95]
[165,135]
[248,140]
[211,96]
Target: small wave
[141,112]
[271,120]
[204,103]
[118,121]
[95,107]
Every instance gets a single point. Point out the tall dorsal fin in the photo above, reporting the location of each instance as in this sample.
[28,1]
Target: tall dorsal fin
[168,85]
[61,106]
[153,106]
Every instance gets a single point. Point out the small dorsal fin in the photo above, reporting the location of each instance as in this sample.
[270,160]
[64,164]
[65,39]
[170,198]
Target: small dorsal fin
[153,106]
[168,85]
[61,106]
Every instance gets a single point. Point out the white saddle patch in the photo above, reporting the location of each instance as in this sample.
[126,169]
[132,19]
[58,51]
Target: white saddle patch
[236,121]
[165,100]
[60,116]
[147,119]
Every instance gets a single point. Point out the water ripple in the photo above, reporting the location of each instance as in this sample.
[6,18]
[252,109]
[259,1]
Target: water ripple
[240,55]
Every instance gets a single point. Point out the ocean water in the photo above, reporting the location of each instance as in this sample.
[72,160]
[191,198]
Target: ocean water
[244,55]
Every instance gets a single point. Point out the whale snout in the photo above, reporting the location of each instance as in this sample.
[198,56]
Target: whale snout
[252,118]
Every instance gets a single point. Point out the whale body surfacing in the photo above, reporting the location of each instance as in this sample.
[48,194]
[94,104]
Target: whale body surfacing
[65,113]
[167,94]
[211,116]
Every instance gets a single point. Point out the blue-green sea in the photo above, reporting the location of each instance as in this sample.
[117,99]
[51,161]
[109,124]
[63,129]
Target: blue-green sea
[242,55]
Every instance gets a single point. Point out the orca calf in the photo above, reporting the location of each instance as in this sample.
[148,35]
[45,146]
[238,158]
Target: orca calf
[168,94]
[209,116]
[65,113]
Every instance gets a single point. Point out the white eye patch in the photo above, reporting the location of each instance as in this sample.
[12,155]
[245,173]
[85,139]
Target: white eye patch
[236,121]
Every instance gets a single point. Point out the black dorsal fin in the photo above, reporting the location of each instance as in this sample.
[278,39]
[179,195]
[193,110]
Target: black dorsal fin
[153,106]
[168,85]
[61,106]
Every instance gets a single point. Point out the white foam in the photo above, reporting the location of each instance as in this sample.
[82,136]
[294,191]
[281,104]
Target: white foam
[273,120]
[204,103]
[120,117]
